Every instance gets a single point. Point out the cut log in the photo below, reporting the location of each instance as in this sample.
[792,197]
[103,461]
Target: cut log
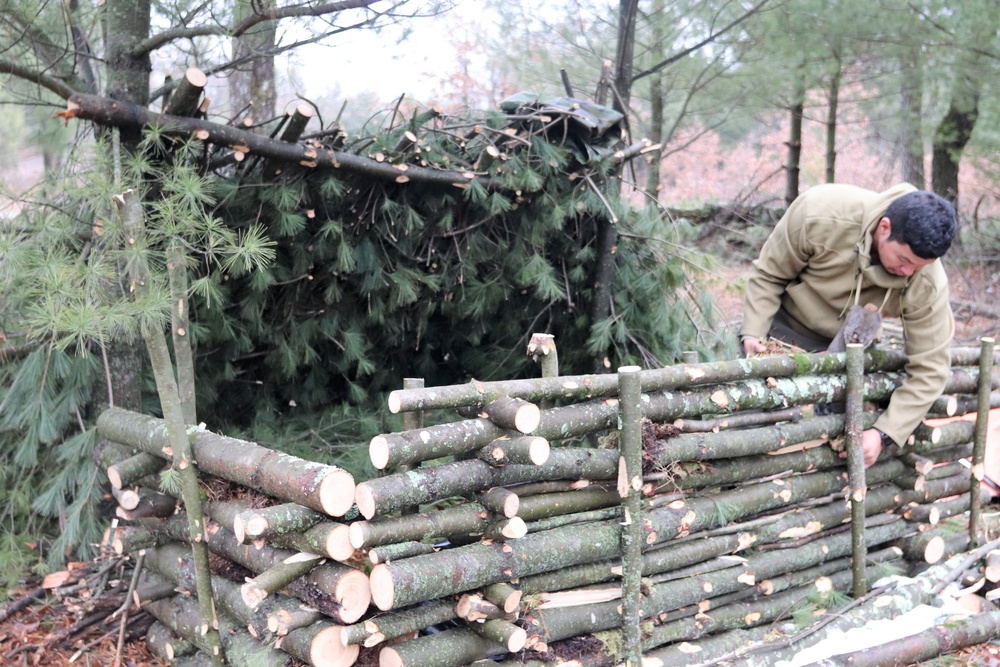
[457,646]
[323,488]
[397,624]
[391,552]
[186,96]
[501,501]
[466,518]
[152,586]
[266,522]
[180,615]
[474,607]
[283,621]
[502,632]
[165,644]
[129,471]
[277,577]
[992,566]
[525,450]
[504,595]
[929,644]
[337,590]
[320,645]
[740,420]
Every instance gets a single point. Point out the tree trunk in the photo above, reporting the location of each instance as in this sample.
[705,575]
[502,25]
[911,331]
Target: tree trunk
[796,111]
[951,136]
[831,116]
[911,141]
[252,81]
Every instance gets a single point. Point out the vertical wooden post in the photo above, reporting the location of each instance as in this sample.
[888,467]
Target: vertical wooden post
[689,356]
[853,430]
[415,419]
[542,347]
[630,415]
[979,444]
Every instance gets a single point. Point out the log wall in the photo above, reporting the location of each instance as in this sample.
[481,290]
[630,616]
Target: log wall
[501,533]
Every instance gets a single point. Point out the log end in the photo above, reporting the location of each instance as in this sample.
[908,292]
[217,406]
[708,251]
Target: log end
[514,528]
[527,418]
[328,649]
[538,451]
[389,657]
[934,550]
[382,589]
[115,477]
[354,593]
[395,403]
[196,77]
[378,452]
[517,640]
[256,525]
[336,492]
[365,499]
[338,543]
[357,531]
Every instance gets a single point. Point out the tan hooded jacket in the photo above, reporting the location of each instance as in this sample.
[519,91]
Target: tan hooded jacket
[812,266]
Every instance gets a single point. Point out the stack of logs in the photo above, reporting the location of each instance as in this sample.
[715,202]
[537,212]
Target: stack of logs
[487,541]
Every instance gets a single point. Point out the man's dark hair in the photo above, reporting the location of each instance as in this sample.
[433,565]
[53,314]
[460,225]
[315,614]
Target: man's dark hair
[924,221]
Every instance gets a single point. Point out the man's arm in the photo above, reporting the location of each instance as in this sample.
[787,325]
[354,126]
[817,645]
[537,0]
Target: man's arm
[928,327]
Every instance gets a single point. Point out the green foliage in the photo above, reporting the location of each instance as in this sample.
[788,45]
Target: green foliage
[313,293]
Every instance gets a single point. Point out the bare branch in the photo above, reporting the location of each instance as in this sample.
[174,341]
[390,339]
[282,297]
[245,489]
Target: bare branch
[708,40]
[58,86]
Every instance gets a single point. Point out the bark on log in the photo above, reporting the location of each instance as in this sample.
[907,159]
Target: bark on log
[323,488]
[165,644]
[281,621]
[186,96]
[937,641]
[396,624]
[152,586]
[585,387]
[391,552]
[126,472]
[180,615]
[500,501]
[457,646]
[266,522]
[470,518]
[150,504]
[979,443]
[739,420]
[525,450]
[550,625]
[503,632]
[173,562]
[277,577]
[504,595]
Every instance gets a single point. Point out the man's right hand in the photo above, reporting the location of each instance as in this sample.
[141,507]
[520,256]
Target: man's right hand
[752,346]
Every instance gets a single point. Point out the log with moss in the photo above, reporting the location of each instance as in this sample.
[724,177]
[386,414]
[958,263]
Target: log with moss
[324,488]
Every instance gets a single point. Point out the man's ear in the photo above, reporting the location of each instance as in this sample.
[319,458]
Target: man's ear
[884,227]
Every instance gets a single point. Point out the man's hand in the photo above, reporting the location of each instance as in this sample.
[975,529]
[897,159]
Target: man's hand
[752,346]
[871,442]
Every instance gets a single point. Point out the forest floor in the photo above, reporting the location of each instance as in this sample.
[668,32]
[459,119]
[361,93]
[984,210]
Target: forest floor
[76,623]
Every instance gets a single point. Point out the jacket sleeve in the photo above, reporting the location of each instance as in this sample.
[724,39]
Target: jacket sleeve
[929,328]
[783,256]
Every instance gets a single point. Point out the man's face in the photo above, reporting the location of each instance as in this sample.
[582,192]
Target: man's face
[895,257]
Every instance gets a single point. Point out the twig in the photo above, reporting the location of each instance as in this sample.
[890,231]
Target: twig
[125,605]
[23,603]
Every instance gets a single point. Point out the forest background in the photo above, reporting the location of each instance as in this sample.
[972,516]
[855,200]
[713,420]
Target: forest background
[750,102]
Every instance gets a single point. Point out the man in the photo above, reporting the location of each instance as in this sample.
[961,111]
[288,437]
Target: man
[839,245]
